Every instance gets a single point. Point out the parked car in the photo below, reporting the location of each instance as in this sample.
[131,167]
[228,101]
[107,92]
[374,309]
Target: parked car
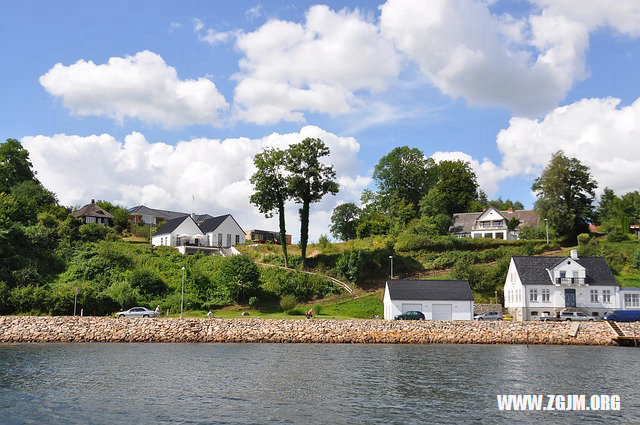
[547,318]
[576,315]
[623,316]
[490,315]
[410,315]
[137,312]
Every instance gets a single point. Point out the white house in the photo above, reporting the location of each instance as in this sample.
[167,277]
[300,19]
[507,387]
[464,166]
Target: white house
[436,299]
[492,223]
[213,232]
[539,285]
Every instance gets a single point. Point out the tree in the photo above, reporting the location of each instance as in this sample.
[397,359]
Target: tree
[513,223]
[240,276]
[404,173]
[120,215]
[565,192]
[605,205]
[454,191]
[15,166]
[309,180]
[271,189]
[344,220]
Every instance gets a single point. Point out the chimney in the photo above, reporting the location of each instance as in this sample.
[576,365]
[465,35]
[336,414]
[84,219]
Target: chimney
[574,254]
[510,209]
[193,216]
[93,201]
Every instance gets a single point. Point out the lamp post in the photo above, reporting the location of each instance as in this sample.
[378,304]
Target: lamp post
[182,296]
[75,302]
[391,260]
[546,222]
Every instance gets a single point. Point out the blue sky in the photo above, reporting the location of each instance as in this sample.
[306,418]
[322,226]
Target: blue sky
[502,84]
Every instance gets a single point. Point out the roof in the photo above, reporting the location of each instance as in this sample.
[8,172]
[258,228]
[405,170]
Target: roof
[533,270]
[170,225]
[212,223]
[437,290]
[165,214]
[463,222]
[92,210]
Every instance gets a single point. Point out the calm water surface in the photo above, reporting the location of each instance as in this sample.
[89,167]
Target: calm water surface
[309,384]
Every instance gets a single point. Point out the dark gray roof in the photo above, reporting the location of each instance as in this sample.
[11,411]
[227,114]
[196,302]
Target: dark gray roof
[170,225]
[437,290]
[533,270]
[92,210]
[164,214]
[463,222]
[211,224]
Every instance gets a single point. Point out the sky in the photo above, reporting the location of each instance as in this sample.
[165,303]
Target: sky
[166,103]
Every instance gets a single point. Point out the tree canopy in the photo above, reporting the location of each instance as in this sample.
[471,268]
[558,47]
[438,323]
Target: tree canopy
[566,192]
[15,166]
[344,221]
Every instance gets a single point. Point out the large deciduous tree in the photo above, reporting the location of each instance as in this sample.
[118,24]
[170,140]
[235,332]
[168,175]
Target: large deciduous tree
[404,173]
[15,166]
[454,191]
[309,180]
[344,221]
[271,189]
[565,191]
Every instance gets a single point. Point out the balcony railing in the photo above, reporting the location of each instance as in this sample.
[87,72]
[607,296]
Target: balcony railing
[570,280]
[487,227]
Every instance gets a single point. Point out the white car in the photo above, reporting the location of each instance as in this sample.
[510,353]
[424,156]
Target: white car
[137,312]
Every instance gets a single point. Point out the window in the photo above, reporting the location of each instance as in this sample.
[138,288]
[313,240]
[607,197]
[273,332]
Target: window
[237,239]
[497,223]
[563,274]
[219,239]
[594,295]
[534,313]
[576,273]
[546,295]
[500,235]
[229,240]
[606,296]
[533,295]
[632,300]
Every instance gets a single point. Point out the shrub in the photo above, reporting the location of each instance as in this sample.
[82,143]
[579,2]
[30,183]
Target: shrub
[147,282]
[324,243]
[288,302]
[239,276]
[583,238]
[93,232]
[253,301]
[636,259]
[617,235]
[295,312]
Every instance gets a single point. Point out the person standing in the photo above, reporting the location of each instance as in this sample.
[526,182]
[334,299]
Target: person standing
[210,314]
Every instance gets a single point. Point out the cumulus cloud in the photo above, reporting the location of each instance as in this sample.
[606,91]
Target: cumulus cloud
[141,86]
[291,68]
[598,132]
[216,172]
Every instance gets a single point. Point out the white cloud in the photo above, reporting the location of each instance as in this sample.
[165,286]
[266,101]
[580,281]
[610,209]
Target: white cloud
[291,68]
[198,25]
[213,37]
[466,51]
[216,172]
[141,86]
[254,12]
[595,131]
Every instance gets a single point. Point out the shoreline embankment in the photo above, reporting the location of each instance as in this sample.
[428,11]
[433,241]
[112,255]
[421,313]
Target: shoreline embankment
[32,329]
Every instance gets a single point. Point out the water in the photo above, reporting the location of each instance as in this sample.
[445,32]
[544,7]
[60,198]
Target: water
[306,383]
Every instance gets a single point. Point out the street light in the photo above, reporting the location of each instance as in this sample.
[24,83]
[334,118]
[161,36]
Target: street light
[546,222]
[391,258]
[182,296]
[75,302]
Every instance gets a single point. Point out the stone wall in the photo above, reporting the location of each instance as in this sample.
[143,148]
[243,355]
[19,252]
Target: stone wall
[106,329]
[485,308]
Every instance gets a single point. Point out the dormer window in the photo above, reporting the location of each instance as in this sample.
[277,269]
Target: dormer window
[563,274]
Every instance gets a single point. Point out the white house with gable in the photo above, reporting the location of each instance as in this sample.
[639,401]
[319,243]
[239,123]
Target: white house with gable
[545,286]
[436,299]
[493,224]
[213,232]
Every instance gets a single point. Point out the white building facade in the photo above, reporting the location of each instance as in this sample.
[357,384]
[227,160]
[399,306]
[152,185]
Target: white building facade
[493,224]
[545,286]
[436,299]
[213,232]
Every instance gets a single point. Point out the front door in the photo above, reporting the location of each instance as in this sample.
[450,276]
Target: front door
[569,297]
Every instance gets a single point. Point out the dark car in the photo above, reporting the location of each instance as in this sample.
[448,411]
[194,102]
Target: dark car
[623,316]
[410,315]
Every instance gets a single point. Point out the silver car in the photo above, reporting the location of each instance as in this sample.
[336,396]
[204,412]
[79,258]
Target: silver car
[137,312]
[490,315]
[576,315]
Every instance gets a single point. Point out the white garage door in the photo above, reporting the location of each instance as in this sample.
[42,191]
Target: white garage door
[441,312]
[411,307]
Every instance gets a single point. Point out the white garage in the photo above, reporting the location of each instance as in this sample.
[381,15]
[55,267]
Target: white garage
[436,299]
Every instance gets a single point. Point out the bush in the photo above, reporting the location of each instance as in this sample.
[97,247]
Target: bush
[93,232]
[583,238]
[147,282]
[253,301]
[288,302]
[617,235]
[295,312]
[636,259]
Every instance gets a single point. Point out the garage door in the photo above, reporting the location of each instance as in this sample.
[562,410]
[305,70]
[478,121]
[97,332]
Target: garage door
[442,312]
[411,307]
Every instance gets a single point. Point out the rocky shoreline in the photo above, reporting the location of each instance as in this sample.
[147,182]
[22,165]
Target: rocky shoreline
[106,329]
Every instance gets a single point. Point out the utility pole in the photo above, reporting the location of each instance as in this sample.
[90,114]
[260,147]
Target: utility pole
[75,302]
[391,260]
[182,296]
